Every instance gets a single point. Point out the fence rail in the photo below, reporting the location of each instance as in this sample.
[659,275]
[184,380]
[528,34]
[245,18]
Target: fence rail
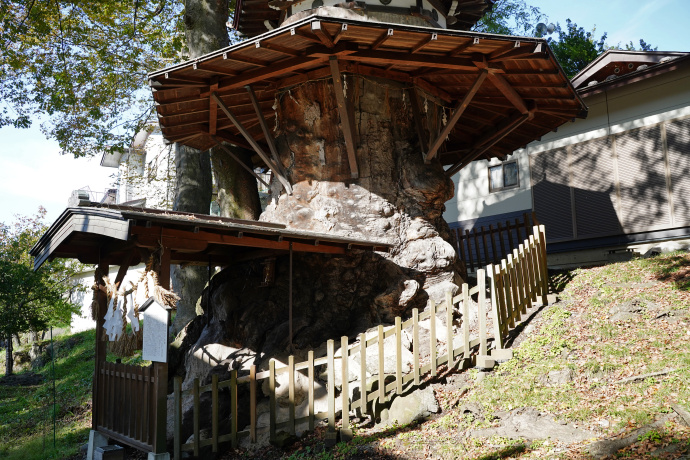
[515,282]
[489,244]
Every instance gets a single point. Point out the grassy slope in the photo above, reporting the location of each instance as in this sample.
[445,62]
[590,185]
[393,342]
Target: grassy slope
[26,412]
[575,334]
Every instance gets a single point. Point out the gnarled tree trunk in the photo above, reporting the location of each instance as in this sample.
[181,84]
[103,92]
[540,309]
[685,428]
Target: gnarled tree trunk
[205,31]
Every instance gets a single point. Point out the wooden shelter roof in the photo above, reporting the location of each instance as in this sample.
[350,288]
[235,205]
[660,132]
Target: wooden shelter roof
[88,233]
[503,91]
[253,17]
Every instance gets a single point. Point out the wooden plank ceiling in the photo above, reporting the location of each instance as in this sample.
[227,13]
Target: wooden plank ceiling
[504,91]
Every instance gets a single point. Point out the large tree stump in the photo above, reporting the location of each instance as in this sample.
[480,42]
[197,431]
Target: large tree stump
[396,197]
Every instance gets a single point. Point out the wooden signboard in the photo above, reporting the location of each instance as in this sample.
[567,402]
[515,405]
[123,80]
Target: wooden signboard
[156,324]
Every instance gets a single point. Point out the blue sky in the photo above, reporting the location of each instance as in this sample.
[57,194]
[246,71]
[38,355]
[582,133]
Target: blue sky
[33,173]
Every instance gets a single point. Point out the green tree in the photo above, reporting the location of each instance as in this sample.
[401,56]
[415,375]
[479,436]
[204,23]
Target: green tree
[510,17]
[82,66]
[31,300]
[575,48]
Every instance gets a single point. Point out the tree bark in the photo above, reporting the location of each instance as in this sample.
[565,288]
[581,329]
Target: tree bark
[238,195]
[205,31]
[193,190]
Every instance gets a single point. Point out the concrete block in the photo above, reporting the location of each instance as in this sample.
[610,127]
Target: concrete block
[109,453]
[163,456]
[502,354]
[96,440]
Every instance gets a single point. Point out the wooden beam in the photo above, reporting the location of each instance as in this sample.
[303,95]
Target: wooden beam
[422,43]
[462,48]
[382,39]
[255,145]
[323,36]
[341,34]
[278,170]
[490,139]
[215,69]
[277,48]
[241,163]
[149,237]
[457,113]
[406,59]
[275,70]
[417,116]
[509,92]
[344,117]
[213,110]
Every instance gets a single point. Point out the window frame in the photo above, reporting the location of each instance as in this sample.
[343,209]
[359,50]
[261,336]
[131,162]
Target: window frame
[502,165]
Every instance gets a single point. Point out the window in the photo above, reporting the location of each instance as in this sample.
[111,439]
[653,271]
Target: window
[503,176]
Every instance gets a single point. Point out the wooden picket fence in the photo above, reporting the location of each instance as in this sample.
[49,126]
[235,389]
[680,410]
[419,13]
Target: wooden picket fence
[489,244]
[517,281]
[514,283]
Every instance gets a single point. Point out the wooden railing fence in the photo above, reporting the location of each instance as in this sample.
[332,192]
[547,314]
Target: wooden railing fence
[127,396]
[515,282]
[387,384]
[489,244]
[518,281]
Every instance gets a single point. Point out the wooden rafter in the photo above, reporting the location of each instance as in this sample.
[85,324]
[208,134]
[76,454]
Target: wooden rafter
[252,76]
[457,113]
[321,33]
[270,141]
[422,43]
[509,92]
[213,110]
[255,145]
[342,33]
[344,117]
[277,48]
[408,60]
[382,39]
[490,139]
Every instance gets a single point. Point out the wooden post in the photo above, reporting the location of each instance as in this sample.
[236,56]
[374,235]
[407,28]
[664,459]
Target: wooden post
[544,267]
[432,338]
[330,351]
[495,308]
[363,372]
[233,408]
[272,398]
[382,376]
[449,327]
[481,285]
[415,344]
[101,309]
[507,281]
[310,373]
[345,389]
[466,319]
[252,403]
[291,394]
[469,249]
[290,300]
[398,354]
[161,371]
